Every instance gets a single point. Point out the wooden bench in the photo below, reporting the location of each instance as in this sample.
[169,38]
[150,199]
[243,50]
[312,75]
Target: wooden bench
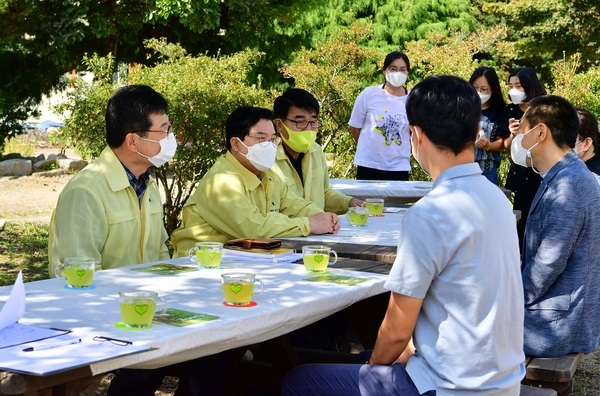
[552,373]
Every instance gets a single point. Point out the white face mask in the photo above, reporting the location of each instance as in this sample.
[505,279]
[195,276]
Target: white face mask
[580,153]
[261,157]
[484,97]
[168,147]
[516,96]
[396,79]
[518,153]
[415,150]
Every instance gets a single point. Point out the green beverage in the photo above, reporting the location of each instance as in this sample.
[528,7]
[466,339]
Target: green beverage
[315,262]
[375,207]
[238,292]
[138,313]
[358,219]
[209,258]
[78,277]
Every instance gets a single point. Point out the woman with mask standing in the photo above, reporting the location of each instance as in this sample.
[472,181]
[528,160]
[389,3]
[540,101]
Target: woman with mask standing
[587,144]
[524,85]
[493,129]
[380,127]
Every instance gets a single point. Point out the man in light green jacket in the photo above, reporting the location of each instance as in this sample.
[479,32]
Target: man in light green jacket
[300,160]
[111,211]
[241,197]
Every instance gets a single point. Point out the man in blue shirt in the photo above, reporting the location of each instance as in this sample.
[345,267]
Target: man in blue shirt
[561,256]
[454,322]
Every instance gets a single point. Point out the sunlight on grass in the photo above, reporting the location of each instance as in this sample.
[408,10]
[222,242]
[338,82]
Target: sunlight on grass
[21,144]
[23,246]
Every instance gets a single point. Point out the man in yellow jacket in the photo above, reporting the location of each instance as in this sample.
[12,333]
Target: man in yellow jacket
[111,211]
[300,160]
[240,196]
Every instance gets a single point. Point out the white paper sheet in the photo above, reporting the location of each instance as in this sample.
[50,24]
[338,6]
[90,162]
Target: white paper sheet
[14,308]
[65,357]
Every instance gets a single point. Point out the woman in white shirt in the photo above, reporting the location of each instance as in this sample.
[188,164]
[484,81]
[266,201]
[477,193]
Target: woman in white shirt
[380,127]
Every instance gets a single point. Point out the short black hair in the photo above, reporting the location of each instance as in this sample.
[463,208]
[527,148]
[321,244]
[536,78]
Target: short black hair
[496,101]
[392,56]
[296,97]
[588,127]
[558,114]
[529,81]
[129,110]
[243,118]
[447,109]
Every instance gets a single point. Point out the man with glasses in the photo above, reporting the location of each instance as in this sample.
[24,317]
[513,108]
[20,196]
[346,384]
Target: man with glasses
[111,211]
[300,160]
[241,197]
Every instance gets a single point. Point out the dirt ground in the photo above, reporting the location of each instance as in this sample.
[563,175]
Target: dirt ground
[33,198]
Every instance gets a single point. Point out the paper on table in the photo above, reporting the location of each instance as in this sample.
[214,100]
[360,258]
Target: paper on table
[66,357]
[14,308]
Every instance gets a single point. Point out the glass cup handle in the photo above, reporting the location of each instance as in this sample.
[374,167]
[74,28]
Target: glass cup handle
[164,303]
[57,271]
[262,287]
[334,256]
[192,254]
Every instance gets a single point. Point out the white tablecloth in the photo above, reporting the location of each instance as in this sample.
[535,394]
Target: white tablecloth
[382,189]
[288,303]
[382,231]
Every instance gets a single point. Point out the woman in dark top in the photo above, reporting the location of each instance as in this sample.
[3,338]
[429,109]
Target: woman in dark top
[494,128]
[524,85]
[587,144]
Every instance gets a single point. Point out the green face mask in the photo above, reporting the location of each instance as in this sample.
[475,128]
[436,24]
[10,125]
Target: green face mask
[299,141]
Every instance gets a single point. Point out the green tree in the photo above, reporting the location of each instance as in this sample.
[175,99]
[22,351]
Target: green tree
[396,22]
[42,40]
[542,31]
[335,72]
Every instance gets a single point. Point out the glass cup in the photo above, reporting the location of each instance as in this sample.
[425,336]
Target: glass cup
[207,254]
[316,257]
[358,216]
[78,271]
[375,206]
[238,288]
[138,307]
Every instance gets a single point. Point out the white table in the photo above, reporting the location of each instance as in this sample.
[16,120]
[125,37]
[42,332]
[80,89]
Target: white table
[289,302]
[392,191]
[380,231]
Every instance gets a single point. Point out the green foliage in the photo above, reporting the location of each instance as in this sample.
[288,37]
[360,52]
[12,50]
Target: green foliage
[582,89]
[543,31]
[454,55]
[335,73]
[396,22]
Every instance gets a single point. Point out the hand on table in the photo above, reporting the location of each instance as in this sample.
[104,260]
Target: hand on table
[324,223]
[356,202]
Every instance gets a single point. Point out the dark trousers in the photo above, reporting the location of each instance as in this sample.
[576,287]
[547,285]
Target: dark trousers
[364,173]
[202,376]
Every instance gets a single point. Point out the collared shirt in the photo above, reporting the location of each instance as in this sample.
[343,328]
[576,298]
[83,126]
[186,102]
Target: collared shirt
[296,163]
[138,184]
[458,251]
[99,215]
[231,202]
[314,183]
[561,262]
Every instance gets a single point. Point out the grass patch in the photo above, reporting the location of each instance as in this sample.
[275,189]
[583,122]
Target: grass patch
[22,144]
[23,246]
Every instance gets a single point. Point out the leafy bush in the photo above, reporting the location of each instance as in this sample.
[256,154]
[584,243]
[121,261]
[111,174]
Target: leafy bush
[335,72]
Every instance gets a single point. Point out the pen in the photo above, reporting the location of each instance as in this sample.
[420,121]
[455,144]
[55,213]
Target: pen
[53,345]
